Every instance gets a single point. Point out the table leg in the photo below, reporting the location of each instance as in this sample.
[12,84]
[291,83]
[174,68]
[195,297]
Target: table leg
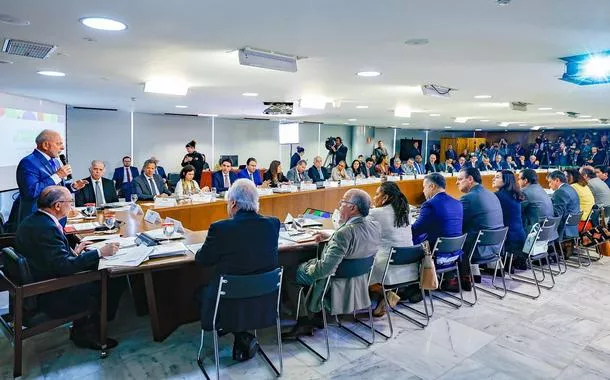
[104,313]
[152,306]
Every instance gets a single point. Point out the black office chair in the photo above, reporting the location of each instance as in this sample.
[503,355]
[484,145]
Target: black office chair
[24,319]
[573,221]
[491,241]
[401,257]
[447,251]
[240,288]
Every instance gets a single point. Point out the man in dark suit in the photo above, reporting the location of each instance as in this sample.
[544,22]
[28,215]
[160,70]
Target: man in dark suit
[432,165]
[297,156]
[228,254]
[224,178]
[159,170]
[482,211]
[440,215]
[123,176]
[419,165]
[414,151]
[447,167]
[565,201]
[459,164]
[368,170]
[602,173]
[576,159]
[99,190]
[317,172]
[597,157]
[450,153]
[521,163]
[339,150]
[250,172]
[518,150]
[41,169]
[536,151]
[41,240]
[533,163]
[534,194]
[498,164]
[149,185]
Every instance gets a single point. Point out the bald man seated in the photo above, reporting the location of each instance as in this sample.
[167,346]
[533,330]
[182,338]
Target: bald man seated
[41,240]
[98,190]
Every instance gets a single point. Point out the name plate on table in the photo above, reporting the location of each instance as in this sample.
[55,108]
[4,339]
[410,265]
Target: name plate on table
[447,174]
[152,217]
[203,198]
[347,182]
[331,184]
[542,170]
[178,227]
[408,177]
[393,178]
[165,202]
[264,191]
[308,186]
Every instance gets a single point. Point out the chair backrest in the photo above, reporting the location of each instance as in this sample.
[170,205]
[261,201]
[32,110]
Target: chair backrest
[17,270]
[251,285]
[492,237]
[173,178]
[546,233]
[552,221]
[349,268]
[573,219]
[531,214]
[406,255]
[593,216]
[447,250]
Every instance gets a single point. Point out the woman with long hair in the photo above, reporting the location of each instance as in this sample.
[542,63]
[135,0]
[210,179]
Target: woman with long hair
[383,168]
[585,196]
[391,211]
[510,196]
[186,185]
[356,169]
[274,175]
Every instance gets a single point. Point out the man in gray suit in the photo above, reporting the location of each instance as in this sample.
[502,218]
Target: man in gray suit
[601,191]
[357,237]
[482,211]
[298,174]
[565,201]
[534,195]
[148,185]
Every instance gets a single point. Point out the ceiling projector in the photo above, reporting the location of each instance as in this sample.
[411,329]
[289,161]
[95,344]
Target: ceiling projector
[267,60]
[519,106]
[278,108]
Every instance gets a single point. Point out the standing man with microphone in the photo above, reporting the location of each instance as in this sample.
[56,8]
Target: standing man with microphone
[41,169]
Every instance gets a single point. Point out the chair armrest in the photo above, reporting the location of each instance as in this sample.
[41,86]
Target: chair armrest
[59,283]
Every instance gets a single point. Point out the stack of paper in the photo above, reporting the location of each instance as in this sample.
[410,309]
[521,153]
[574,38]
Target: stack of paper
[78,227]
[127,257]
[194,247]
[126,242]
[158,235]
[298,237]
[168,250]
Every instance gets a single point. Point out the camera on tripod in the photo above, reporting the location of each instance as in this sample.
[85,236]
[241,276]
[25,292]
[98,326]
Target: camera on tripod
[330,143]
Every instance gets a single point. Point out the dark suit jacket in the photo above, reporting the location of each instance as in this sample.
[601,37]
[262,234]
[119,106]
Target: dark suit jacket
[160,171]
[366,172]
[457,166]
[419,168]
[440,216]
[450,154]
[598,158]
[482,167]
[218,180]
[565,202]
[141,187]
[432,168]
[294,159]
[315,175]
[245,244]
[119,173]
[530,165]
[521,165]
[33,175]
[482,211]
[256,176]
[87,194]
[341,154]
[49,256]
[499,166]
[511,215]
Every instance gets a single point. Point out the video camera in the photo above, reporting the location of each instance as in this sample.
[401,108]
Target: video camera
[329,144]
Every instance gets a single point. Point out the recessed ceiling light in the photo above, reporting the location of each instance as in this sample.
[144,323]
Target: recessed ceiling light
[207,115]
[11,20]
[536,127]
[478,129]
[417,41]
[182,106]
[406,123]
[448,127]
[362,107]
[435,114]
[346,123]
[560,113]
[402,111]
[352,119]
[584,116]
[545,108]
[482,97]
[484,121]
[392,126]
[102,23]
[523,125]
[368,74]
[50,73]
[250,94]
[166,86]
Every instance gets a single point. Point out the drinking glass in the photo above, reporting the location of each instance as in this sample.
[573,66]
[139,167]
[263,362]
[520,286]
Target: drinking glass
[134,198]
[89,210]
[109,221]
[168,230]
[213,190]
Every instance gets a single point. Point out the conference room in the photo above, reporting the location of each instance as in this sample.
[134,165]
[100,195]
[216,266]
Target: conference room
[313,191]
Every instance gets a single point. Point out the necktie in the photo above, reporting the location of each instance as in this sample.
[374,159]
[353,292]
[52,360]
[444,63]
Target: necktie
[53,165]
[128,174]
[227,182]
[153,191]
[251,177]
[300,177]
[99,198]
[321,174]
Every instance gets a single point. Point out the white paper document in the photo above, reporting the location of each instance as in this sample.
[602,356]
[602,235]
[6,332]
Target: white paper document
[127,257]
[168,250]
[83,226]
[194,247]
[297,237]
[100,237]
[158,235]
[126,242]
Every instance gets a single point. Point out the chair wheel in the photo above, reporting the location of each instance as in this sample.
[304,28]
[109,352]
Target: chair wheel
[103,354]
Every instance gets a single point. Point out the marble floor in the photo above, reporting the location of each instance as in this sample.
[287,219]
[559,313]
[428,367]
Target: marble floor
[565,334]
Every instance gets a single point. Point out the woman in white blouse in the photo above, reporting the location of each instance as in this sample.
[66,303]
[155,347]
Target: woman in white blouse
[392,213]
[186,185]
[339,172]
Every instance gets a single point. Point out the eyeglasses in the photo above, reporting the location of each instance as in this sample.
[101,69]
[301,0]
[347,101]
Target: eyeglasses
[348,202]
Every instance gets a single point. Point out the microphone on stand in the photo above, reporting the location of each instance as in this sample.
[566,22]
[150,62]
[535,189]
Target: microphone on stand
[62,158]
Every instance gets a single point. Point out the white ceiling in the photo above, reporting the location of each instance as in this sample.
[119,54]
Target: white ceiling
[475,46]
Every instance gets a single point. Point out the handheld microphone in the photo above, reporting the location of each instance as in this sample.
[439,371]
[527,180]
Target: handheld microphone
[62,158]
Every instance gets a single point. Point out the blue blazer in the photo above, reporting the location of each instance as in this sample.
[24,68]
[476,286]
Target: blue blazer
[218,180]
[33,175]
[440,216]
[511,214]
[244,244]
[499,166]
[245,174]
[118,176]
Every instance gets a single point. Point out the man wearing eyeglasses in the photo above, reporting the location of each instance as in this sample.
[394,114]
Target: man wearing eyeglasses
[357,237]
[41,240]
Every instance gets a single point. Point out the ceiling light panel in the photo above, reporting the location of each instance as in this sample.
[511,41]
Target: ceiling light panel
[102,23]
[166,86]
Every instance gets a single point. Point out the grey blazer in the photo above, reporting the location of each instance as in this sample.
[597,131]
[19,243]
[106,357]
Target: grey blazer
[293,176]
[565,202]
[601,191]
[535,194]
[141,187]
[356,239]
[482,211]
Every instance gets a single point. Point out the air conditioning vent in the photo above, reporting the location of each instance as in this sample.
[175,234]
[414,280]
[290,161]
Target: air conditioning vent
[28,48]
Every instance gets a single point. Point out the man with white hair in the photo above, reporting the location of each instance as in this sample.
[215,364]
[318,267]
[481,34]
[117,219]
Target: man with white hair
[98,190]
[357,237]
[40,169]
[246,243]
